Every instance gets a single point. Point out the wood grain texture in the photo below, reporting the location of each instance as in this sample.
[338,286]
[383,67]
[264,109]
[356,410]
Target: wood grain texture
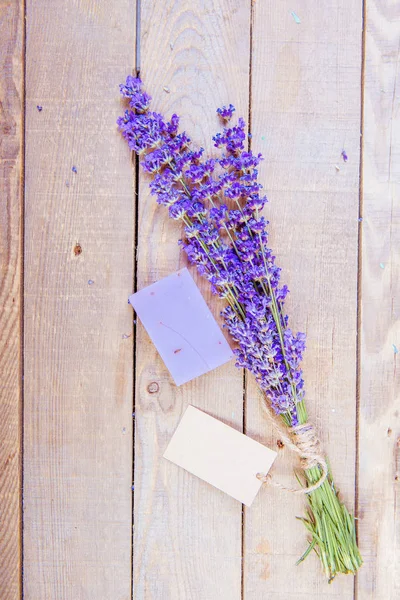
[379,435]
[11,156]
[187,543]
[79,271]
[305,111]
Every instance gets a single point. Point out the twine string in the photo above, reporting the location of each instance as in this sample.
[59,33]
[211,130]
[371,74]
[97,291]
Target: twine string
[303,440]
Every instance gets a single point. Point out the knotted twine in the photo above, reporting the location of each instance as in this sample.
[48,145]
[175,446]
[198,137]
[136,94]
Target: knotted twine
[303,440]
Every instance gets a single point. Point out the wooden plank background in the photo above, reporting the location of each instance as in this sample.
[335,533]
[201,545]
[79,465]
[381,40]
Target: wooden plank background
[78,268]
[379,417]
[311,81]
[305,111]
[11,217]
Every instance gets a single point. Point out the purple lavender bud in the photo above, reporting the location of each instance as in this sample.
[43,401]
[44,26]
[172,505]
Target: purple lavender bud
[140,102]
[172,126]
[219,215]
[197,210]
[178,210]
[256,202]
[226,113]
[162,183]
[132,86]
[156,159]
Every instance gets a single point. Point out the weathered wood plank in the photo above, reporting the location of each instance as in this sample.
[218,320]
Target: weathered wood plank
[78,365]
[379,432]
[187,542]
[11,156]
[305,111]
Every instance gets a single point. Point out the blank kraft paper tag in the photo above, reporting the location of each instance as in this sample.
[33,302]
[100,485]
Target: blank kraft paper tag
[219,454]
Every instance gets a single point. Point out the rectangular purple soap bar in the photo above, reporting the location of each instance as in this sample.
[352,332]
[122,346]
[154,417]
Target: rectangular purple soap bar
[181,326]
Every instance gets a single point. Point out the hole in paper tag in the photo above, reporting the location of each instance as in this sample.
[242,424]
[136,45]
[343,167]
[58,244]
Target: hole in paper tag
[181,326]
[220,455]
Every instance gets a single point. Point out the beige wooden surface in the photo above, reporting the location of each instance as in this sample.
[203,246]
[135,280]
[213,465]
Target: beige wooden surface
[11,164]
[78,365]
[379,429]
[87,367]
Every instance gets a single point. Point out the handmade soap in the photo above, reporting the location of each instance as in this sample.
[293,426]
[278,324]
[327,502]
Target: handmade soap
[182,327]
[219,454]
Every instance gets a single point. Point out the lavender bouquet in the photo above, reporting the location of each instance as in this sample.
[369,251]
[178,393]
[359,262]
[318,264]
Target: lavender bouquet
[219,202]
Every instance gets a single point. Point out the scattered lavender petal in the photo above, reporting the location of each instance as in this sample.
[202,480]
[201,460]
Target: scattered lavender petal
[90,282]
[40,108]
[74,169]
[395,349]
[344,156]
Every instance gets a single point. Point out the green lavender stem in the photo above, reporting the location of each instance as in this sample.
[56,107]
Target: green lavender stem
[331,526]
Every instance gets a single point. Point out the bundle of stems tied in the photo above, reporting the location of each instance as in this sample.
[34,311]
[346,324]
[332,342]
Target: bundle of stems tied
[219,202]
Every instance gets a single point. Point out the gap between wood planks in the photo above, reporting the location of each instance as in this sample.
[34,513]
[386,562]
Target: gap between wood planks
[135,166]
[22,295]
[249,122]
[359,283]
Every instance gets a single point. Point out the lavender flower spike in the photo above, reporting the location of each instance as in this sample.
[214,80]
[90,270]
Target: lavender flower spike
[219,202]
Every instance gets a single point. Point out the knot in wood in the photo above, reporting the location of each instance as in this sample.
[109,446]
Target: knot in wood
[153,387]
